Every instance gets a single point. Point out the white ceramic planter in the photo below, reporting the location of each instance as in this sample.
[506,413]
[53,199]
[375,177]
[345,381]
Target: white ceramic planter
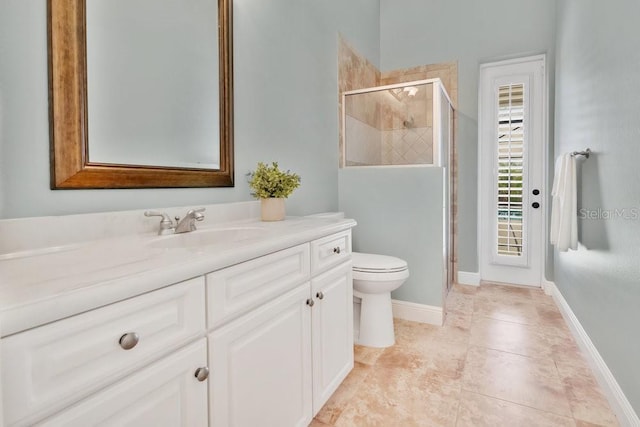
[272,209]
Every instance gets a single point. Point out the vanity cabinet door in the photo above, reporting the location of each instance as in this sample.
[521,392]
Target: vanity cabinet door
[53,366]
[332,325]
[261,365]
[166,393]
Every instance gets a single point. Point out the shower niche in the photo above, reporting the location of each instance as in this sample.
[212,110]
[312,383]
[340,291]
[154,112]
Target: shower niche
[401,124]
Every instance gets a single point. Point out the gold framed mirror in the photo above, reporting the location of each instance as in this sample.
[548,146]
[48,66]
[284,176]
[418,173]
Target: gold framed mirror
[71,166]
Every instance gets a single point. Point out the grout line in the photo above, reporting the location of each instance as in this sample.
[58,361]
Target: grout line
[516,354]
[522,405]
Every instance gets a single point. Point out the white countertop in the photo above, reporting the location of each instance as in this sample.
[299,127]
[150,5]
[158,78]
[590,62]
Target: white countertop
[54,283]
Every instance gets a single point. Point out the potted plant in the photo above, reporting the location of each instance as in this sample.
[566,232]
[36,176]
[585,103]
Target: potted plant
[272,186]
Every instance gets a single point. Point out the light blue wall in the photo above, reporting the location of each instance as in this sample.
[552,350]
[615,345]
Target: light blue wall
[416,32]
[598,106]
[285,57]
[399,213]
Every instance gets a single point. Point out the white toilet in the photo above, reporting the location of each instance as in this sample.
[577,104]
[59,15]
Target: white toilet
[374,277]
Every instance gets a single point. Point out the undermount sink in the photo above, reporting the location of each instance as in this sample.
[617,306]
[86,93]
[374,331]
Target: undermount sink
[217,236]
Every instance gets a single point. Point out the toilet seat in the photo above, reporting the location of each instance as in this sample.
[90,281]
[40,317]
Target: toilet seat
[373,263]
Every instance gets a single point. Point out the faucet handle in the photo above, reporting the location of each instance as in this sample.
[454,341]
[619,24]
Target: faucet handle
[164,216]
[166,225]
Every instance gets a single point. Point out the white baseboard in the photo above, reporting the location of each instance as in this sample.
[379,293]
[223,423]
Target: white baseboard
[548,287]
[618,401]
[466,278]
[417,312]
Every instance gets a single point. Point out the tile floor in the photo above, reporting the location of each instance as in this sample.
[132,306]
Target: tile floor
[504,357]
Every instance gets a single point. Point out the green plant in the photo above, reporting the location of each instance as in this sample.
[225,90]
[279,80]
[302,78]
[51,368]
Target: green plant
[269,181]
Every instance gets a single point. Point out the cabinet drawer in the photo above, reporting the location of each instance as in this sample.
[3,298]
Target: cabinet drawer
[165,394]
[47,368]
[235,290]
[329,251]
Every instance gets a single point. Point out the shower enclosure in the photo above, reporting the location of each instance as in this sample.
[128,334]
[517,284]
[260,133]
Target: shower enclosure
[395,180]
[402,124]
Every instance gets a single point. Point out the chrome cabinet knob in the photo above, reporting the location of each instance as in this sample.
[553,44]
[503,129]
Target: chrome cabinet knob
[336,250]
[310,302]
[129,340]
[202,373]
[319,295]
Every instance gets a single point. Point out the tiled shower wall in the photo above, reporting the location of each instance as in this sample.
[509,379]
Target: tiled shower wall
[407,146]
[356,72]
[398,144]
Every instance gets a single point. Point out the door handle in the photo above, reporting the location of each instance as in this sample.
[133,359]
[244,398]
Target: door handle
[535,191]
[535,205]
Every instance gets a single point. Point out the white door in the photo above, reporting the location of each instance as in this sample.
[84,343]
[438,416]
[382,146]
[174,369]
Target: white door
[332,326]
[512,139]
[261,366]
[165,394]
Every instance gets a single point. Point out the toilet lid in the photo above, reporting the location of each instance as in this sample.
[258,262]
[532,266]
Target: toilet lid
[372,263]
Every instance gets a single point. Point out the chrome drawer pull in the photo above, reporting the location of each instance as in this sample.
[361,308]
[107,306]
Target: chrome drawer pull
[202,373]
[129,340]
[336,250]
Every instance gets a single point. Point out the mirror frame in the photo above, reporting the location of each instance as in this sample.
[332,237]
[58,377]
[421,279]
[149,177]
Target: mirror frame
[70,166]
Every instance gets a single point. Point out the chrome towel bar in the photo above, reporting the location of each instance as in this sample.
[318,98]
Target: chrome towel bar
[586,153]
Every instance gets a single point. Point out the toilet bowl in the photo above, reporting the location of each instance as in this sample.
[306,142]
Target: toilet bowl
[374,277]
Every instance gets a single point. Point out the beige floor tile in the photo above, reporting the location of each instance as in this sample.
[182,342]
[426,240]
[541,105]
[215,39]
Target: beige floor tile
[480,411]
[464,289]
[316,423]
[587,401]
[580,423]
[396,397]
[507,308]
[491,290]
[366,355]
[518,338]
[507,349]
[550,318]
[420,336]
[519,379]
[347,391]
[437,363]
[459,322]
[571,361]
[540,297]
[460,302]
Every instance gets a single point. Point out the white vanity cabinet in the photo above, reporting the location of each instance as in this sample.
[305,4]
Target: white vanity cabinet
[279,363]
[263,342]
[53,366]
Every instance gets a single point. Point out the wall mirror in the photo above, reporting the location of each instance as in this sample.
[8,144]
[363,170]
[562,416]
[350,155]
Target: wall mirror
[141,93]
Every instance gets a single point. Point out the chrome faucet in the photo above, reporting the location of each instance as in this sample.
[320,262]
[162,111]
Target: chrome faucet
[186,225]
[166,225]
